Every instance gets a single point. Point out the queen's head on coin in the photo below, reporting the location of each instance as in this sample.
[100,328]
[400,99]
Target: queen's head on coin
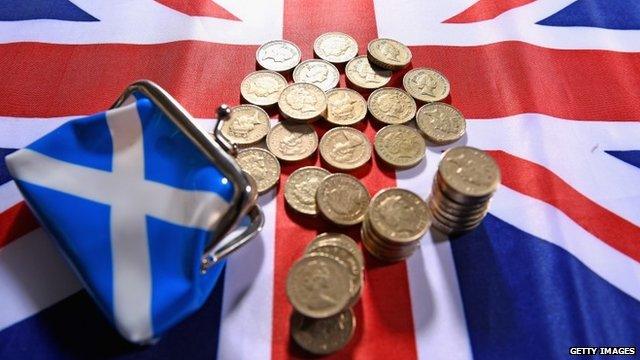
[301,100]
[264,86]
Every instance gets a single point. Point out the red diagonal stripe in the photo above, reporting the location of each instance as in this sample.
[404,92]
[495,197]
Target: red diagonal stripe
[541,183]
[511,78]
[384,315]
[486,10]
[16,222]
[199,8]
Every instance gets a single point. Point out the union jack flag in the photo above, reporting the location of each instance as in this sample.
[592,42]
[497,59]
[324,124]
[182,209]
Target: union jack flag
[551,88]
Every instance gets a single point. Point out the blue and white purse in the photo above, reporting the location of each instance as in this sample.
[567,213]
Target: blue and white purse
[141,202]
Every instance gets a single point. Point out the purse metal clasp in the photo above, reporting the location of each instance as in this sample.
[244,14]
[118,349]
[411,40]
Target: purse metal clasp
[220,152]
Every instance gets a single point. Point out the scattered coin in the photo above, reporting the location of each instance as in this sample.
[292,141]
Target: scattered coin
[389,54]
[302,102]
[336,239]
[261,165]
[364,75]
[292,142]
[345,107]
[350,261]
[391,106]
[301,186]
[345,148]
[400,146]
[278,55]
[262,87]
[342,199]
[323,336]
[441,123]
[318,286]
[335,47]
[320,73]
[248,124]
[398,215]
[426,84]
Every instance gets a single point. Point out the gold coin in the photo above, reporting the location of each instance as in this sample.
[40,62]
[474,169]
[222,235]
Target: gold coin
[456,207]
[355,271]
[247,124]
[323,336]
[469,171]
[350,259]
[301,186]
[278,55]
[446,228]
[389,54]
[345,148]
[292,142]
[342,199]
[398,215]
[336,239]
[454,226]
[391,106]
[335,47]
[462,199]
[261,165]
[455,216]
[426,84]
[441,123]
[363,75]
[262,87]
[302,102]
[400,146]
[345,107]
[318,286]
[382,249]
[320,73]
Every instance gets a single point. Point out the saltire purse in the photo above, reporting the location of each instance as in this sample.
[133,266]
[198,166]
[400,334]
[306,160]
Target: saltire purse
[144,205]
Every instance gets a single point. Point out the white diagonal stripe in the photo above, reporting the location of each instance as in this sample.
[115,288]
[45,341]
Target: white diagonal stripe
[129,244]
[248,294]
[131,199]
[533,216]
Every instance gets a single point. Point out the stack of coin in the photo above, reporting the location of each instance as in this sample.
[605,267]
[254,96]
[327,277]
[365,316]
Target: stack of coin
[466,179]
[322,286]
[394,224]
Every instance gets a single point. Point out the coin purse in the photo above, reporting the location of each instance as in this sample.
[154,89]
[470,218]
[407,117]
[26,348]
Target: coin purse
[143,204]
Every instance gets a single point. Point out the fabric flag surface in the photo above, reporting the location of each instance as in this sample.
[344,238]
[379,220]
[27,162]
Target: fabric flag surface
[550,88]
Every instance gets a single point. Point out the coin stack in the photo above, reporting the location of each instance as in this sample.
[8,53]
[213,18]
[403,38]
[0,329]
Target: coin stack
[395,222]
[322,287]
[462,188]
